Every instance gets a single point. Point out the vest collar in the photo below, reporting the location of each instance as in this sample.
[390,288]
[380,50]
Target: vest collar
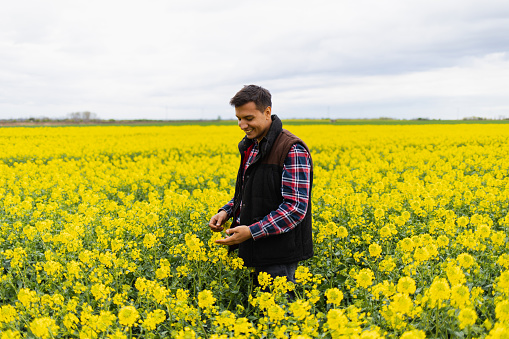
[276,127]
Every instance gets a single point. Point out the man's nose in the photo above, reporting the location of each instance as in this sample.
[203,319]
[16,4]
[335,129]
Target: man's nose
[242,124]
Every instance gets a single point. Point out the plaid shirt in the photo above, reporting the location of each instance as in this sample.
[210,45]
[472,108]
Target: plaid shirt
[295,184]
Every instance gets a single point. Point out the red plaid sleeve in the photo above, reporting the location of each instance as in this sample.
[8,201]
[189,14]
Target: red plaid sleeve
[228,208]
[295,185]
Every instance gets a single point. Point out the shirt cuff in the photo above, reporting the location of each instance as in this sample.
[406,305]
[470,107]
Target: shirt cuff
[227,209]
[257,231]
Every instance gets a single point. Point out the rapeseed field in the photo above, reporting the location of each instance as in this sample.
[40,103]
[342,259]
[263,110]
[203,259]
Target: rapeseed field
[104,234]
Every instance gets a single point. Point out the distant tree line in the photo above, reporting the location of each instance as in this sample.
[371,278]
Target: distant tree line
[82,116]
[500,117]
[85,116]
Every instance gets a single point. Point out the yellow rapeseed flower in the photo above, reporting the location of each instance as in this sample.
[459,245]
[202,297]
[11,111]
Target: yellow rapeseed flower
[375,250]
[401,303]
[10,334]
[276,313]
[342,232]
[385,232]
[44,327]
[302,275]
[225,319]
[413,334]
[206,299]
[439,290]
[467,317]
[465,260]
[299,309]
[153,319]
[455,274]
[387,265]
[442,241]
[462,221]
[406,285]
[502,310]
[503,260]
[243,327]
[117,335]
[364,278]
[128,315]
[336,319]
[421,254]
[265,279]
[503,283]
[334,296]
[499,331]
[406,244]
[149,240]
[7,314]
[186,333]
[71,321]
[26,296]
[460,296]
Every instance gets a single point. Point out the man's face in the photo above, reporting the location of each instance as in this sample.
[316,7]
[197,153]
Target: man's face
[254,123]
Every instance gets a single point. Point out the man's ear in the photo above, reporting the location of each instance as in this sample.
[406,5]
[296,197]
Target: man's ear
[267,112]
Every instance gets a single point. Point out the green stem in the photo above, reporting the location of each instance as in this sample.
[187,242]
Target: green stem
[250,289]
[220,281]
[203,328]
[437,321]
[331,256]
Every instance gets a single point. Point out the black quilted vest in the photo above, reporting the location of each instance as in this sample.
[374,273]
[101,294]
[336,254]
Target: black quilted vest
[260,194]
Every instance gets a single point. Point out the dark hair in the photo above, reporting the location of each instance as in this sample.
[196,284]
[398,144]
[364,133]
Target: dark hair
[259,95]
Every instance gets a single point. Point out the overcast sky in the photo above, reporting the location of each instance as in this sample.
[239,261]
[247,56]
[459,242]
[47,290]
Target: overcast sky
[404,59]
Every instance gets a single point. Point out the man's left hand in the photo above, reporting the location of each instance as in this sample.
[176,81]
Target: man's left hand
[236,236]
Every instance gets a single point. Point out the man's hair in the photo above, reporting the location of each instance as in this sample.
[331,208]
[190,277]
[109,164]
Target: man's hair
[259,95]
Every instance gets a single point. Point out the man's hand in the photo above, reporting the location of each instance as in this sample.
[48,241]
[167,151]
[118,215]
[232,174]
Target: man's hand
[236,236]
[217,221]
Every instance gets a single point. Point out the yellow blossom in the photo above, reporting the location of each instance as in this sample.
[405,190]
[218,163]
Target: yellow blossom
[375,250]
[302,275]
[44,327]
[299,308]
[153,319]
[206,299]
[460,295]
[502,310]
[334,296]
[7,314]
[406,285]
[467,317]
[465,260]
[439,290]
[413,334]
[401,303]
[264,279]
[365,278]
[149,240]
[117,335]
[128,315]
[10,334]
[243,326]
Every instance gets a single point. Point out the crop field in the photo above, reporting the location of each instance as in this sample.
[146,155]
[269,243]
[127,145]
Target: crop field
[104,234]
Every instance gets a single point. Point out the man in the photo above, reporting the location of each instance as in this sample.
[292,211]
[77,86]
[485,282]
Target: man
[271,209]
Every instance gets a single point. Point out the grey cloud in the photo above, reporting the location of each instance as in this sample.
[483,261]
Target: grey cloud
[161,58]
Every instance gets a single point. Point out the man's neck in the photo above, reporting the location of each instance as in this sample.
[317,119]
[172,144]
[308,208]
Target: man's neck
[266,132]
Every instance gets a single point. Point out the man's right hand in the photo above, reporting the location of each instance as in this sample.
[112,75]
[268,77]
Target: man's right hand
[217,221]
